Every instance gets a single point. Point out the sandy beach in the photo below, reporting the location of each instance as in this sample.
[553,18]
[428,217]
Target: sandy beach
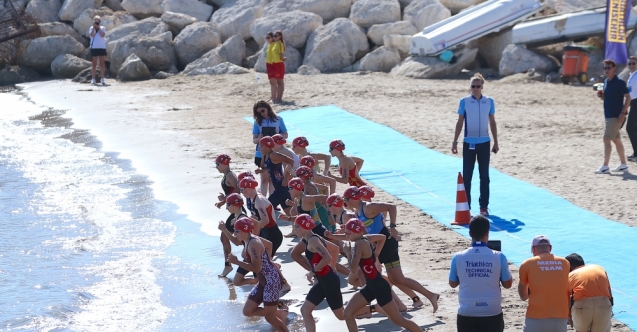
[549,136]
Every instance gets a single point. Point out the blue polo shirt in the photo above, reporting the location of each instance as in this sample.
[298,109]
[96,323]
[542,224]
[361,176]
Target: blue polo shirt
[479,271]
[614,91]
[276,127]
[476,118]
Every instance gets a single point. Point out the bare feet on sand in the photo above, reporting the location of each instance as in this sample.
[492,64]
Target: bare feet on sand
[434,301]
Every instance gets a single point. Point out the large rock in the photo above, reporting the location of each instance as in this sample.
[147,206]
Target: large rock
[381,59]
[71,9]
[148,27]
[335,46]
[177,21]
[455,6]
[220,69]
[308,70]
[194,41]
[194,8]
[432,67]
[296,27]
[567,6]
[133,69]
[40,52]
[366,13]
[11,75]
[236,16]
[68,66]
[115,5]
[61,29]
[398,42]
[517,59]
[491,46]
[157,52]
[44,11]
[110,19]
[232,50]
[423,13]
[86,75]
[292,62]
[327,9]
[377,32]
[143,8]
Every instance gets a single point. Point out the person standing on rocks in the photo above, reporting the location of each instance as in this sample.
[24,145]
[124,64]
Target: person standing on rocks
[476,113]
[98,48]
[274,62]
[631,123]
[616,102]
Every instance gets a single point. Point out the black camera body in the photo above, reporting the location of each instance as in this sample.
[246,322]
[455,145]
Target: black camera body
[494,245]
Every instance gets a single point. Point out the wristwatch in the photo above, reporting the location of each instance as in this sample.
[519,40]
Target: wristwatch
[392,225]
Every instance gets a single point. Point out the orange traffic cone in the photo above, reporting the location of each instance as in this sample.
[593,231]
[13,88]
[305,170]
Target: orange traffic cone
[463,215]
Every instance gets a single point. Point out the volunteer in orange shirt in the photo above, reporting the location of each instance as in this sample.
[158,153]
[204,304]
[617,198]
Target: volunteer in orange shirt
[592,304]
[274,62]
[544,282]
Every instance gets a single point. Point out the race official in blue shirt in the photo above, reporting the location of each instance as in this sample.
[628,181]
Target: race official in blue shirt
[479,271]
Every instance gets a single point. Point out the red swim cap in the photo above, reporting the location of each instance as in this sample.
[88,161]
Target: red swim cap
[366,192]
[267,141]
[305,221]
[279,139]
[245,174]
[248,182]
[300,141]
[335,200]
[234,199]
[223,159]
[244,224]
[354,225]
[297,184]
[337,144]
[304,172]
[352,193]
[308,161]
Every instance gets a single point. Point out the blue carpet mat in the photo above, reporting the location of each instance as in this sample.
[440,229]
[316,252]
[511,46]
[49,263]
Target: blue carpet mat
[519,211]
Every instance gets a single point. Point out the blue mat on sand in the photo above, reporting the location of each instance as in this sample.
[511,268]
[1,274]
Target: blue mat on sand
[519,211]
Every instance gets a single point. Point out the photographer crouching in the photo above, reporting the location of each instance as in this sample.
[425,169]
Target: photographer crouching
[98,48]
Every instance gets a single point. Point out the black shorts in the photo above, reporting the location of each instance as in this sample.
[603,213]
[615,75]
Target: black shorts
[274,235]
[481,324]
[279,196]
[98,52]
[328,287]
[377,289]
[241,270]
[258,161]
[389,254]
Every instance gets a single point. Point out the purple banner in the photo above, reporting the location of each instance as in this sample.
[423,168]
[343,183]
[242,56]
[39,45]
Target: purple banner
[617,14]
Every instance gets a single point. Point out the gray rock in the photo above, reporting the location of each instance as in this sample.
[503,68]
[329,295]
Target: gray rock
[194,41]
[85,76]
[194,8]
[71,9]
[517,59]
[177,21]
[110,20]
[61,29]
[133,69]
[327,9]
[455,6]
[115,5]
[382,59]
[148,27]
[423,13]
[220,69]
[68,66]
[398,42]
[44,11]
[567,6]
[162,75]
[308,70]
[432,67]
[404,3]
[40,52]
[376,33]
[292,62]
[157,52]
[491,46]
[366,13]
[335,45]
[236,16]
[143,8]
[295,25]
[11,75]
[232,50]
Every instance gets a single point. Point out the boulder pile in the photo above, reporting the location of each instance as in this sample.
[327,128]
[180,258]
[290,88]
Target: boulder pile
[160,38]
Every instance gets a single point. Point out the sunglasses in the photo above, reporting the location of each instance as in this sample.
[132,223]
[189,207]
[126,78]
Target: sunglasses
[608,68]
[217,164]
[228,204]
[346,199]
[290,188]
[476,86]
[268,37]
[331,149]
[236,231]
[262,111]
[277,35]
[296,226]
[632,63]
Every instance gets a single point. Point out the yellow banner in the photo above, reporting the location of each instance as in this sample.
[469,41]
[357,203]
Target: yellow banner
[616,31]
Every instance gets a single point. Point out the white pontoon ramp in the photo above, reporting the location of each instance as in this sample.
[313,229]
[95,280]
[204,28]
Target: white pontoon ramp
[558,28]
[488,17]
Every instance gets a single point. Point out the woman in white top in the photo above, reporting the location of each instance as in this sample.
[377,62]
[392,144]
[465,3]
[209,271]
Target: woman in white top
[98,47]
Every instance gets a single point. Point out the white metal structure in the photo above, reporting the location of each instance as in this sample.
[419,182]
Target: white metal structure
[558,28]
[475,22]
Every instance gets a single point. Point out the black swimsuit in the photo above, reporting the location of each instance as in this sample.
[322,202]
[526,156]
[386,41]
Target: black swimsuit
[328,285]
[376,287]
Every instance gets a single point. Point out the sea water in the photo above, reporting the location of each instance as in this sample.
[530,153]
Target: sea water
[85,246]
